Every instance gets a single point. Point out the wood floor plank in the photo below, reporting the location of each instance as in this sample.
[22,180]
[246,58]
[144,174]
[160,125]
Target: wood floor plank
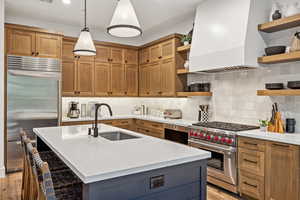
[10,189]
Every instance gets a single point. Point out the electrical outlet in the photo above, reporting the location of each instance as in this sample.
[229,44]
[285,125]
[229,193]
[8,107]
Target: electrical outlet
[157,181]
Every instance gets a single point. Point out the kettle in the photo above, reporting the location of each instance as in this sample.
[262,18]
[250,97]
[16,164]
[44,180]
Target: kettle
[74,112]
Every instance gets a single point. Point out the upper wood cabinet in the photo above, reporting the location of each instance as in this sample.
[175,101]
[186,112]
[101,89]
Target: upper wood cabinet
[30,43]
[69,78]
[282,171]
[144,55]
[131,56]
[117,55]
[155,78]
[103,54]
[144,80]
[48,46]
[102,79]
[155,53]
[20,42]
[131,79]
[85,78]
[117,77]
[168,77]
[67,50]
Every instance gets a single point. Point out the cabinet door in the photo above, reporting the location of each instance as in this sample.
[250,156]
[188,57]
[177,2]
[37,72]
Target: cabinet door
[144,56]
[131,78]
[155,79]
[67,50]
[48,46]
[131,56]
[68,77]
[103,54]
[168,77]
[21,43]
[102,79]
[144,80]
[282,171]
[117,80]
[117,55]
[85,78]
[168,49]
[155,53]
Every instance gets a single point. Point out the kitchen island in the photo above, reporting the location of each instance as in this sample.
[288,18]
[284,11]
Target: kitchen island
[135,167]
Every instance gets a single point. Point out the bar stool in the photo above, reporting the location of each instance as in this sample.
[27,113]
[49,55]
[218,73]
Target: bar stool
[56,185]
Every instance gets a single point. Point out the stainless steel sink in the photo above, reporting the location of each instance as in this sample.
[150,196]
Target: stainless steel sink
[115,136]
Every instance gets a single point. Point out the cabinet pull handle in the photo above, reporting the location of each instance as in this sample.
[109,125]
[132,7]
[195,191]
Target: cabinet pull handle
[280,145]
[250,161]
[126,61]
[32,53]
[160,57]
[147,61]
[251,185]
[248,143]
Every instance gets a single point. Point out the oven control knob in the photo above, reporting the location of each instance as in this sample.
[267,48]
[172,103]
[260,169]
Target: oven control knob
[208,137]
[229,141]
[223,140]
[216,138]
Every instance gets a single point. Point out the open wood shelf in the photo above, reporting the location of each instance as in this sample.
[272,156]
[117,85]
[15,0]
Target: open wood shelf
[280,58]
[184,48]
[286,92]
[280,24]
[183,71]
[194,94]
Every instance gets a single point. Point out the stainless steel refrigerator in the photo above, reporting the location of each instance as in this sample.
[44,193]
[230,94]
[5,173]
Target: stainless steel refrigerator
[33,97]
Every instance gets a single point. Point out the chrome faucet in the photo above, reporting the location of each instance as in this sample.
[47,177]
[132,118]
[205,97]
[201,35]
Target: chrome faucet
[95,126]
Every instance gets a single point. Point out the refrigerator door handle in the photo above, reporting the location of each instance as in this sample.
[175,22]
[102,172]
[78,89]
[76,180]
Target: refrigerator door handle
[35,74]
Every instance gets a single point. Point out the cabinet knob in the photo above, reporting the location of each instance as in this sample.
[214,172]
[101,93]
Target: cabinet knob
[126,61]
[32,53]
[37,53]
[160,57]
[148,61]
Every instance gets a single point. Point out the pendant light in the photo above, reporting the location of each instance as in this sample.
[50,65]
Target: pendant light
[124,22]
[85,45]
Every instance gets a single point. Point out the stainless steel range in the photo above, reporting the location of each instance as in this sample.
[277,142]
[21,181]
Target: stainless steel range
[220,139]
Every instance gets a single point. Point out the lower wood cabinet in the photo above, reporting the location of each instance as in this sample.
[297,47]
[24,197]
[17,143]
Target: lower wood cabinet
[268,170]
[282,171]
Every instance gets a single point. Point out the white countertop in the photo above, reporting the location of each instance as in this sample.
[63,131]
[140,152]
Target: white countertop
[275,137]
[178,122]
[95,159]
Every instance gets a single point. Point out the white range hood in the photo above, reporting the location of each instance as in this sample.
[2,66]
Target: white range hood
[226,36]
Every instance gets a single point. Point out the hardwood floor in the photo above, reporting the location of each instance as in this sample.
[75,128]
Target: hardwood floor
[10,189]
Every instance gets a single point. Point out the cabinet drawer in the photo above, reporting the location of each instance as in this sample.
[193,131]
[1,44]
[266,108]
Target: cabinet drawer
[122,122]
[251,144]
[252,185]
[150,132]
[152,125]
[251,161]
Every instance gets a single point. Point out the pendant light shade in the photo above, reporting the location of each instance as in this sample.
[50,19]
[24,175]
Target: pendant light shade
[85,45]
[124,22]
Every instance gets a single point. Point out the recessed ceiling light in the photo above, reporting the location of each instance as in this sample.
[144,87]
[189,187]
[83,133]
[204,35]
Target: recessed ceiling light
[66,1]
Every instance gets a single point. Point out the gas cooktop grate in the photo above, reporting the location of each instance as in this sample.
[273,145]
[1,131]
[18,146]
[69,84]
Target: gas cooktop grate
[226,126]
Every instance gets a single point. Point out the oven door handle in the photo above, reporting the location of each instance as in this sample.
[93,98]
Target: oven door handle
[218,148]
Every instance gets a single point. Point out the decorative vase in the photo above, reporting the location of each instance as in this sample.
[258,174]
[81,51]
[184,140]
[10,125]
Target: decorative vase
[276,15]
[275,7]
[185,43]
[295,43]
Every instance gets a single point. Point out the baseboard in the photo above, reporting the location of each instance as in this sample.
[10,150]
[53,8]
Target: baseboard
[2,172]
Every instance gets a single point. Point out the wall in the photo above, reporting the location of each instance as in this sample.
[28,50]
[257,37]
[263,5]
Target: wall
[125,106]
[2,169]
[235,98]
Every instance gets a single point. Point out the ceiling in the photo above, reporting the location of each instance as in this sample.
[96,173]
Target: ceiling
[151,13]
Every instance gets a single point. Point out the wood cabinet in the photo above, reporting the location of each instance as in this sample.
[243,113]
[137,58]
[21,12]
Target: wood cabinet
[69,74]
[150,128]
[168,77]
[23,42]
[77,78]
[103,54]
[154,79]
[282,171]
[155,53]
[67,50]
[117,79]
[131,56]
[268,170]
[102,79]
[131,80]
[144,80]
[85,78]
[144,55]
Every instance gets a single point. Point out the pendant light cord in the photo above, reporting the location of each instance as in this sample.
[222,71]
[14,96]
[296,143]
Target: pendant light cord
[85,14]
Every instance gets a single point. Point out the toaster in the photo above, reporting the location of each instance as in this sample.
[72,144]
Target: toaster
[173,114]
